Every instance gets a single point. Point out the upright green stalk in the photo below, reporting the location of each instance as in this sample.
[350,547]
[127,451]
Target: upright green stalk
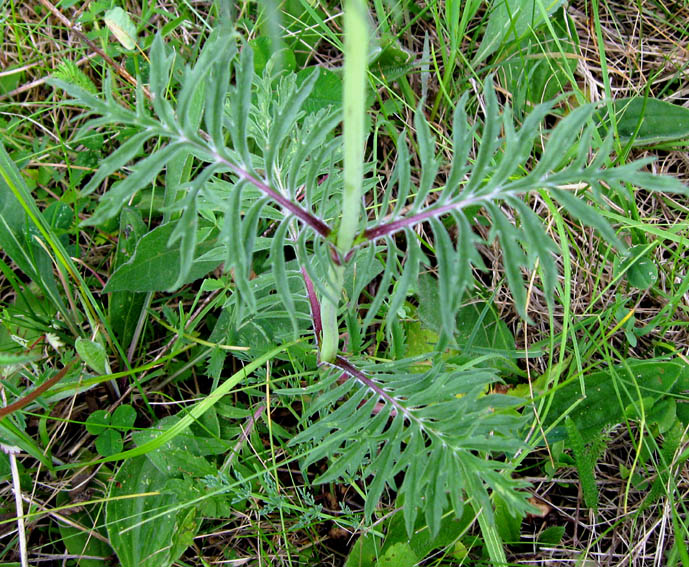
[355,67]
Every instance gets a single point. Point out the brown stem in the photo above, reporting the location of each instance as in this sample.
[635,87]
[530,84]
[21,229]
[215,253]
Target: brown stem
[109,60]
[26,400]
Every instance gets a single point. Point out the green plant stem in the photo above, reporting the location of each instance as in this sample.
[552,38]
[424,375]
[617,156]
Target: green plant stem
[355,66]
[492,539]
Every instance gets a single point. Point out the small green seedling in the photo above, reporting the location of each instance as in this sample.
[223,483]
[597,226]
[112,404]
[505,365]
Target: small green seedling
[109,428]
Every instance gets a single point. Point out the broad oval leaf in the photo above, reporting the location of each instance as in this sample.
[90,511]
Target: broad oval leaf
[608,392]
[121,25]
[645,121]
[155,266]
[93,354]
[109,442]
[638,267]
[139,529]
[512,20]
[123,417]
[98,422]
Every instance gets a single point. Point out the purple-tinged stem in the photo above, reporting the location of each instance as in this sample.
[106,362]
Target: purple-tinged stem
[315,306]
[301,213]
[357,374]
[314,222]
[388,228]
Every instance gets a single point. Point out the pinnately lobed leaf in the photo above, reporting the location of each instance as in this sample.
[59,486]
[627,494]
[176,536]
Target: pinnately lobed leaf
[255,164]
[434,441]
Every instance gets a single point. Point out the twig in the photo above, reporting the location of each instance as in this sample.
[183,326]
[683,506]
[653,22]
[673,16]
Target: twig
[11,452]
[38,82]
[26,400]
[246,431]
[65,520]
[109,60]
[17,489]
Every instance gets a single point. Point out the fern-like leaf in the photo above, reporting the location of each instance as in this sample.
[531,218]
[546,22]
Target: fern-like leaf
[240,151]
[435,426]
[497,182]
[226,121]
[69,72]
